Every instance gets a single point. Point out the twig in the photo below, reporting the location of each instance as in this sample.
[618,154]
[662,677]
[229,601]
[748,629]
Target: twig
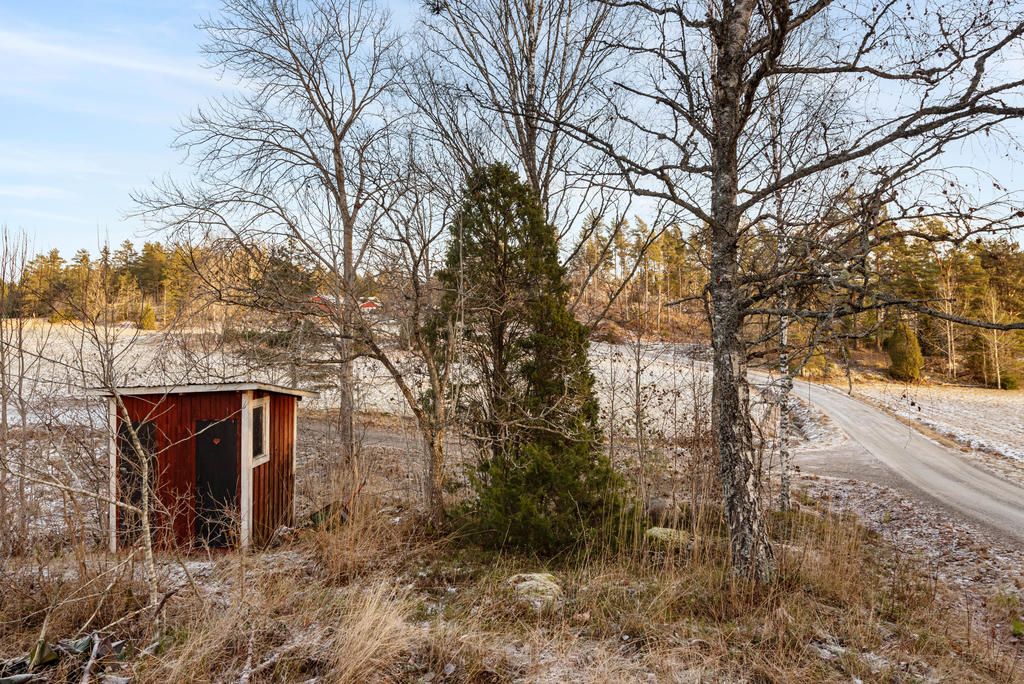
[163,600]
[277,656]
[139,611]
[247,671]
[104,593]
[92,658]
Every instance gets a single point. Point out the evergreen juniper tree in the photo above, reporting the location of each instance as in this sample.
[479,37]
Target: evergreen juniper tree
[543,481]
[905,353]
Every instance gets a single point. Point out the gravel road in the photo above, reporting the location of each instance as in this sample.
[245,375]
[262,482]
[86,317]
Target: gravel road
[881,449]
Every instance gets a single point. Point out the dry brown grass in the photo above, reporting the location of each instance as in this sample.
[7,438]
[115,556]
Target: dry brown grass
[365,543]
[284,630]
[68,594]
[645,612]
[375,600]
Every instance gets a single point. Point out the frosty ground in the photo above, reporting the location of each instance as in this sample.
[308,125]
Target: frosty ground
[451,613]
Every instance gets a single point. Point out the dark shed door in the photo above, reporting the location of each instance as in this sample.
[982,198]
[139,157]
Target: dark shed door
[129,475]
[216,480]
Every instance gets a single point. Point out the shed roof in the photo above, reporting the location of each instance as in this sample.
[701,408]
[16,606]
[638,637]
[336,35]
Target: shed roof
[208,387]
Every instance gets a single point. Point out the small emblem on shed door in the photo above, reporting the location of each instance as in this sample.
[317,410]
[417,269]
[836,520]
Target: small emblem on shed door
[216,440]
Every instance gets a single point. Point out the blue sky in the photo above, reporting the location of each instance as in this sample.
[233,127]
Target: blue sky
[92,90]
[90,94]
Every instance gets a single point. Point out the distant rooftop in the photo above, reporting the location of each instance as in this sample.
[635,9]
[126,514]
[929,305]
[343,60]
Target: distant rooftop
[206,387]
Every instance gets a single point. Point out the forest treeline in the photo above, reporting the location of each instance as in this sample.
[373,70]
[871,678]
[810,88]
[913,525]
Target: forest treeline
[981,280]
[156,279]
[652,286]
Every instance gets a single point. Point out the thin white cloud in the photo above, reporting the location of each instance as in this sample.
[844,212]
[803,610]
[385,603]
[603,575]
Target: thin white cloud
[62,218]
[34,47]
[33,192]
[42,159]
[95,106]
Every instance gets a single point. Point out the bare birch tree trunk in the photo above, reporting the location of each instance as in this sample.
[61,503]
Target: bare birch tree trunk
[751,550]
[785,374]
[145,460]
[993,304]
[346,404]
[786,377]
[435,476]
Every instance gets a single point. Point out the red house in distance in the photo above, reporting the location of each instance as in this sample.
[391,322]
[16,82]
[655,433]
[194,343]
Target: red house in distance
[224,458]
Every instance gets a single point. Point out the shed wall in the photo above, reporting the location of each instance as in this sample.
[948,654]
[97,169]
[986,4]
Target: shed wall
[175,418]
[273,482]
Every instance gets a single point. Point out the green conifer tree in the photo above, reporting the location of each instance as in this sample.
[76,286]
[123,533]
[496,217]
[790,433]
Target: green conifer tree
[543,481]
[148,319]
[905,353]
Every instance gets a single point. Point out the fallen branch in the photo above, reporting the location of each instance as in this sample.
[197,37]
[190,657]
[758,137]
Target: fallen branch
[87,672]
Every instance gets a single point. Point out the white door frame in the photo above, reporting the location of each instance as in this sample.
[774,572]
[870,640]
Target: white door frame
[295,448]
[112,456]
[245,495]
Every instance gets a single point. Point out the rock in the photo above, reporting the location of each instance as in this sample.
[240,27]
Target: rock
[284,535]
[662,511]
[874,661]
[667,536]
[43,654]
[799,553]
[538,590]
[79,647]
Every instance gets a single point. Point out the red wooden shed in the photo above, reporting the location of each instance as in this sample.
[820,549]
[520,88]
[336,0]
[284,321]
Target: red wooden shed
[224,457]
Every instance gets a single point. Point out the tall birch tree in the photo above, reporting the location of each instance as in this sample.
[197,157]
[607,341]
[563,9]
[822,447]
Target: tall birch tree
[297,151]
[873,95]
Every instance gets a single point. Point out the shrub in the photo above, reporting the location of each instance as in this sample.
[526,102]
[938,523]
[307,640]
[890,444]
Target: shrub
[813,366]
[905,353]
[545,498]
[543,481]
[148,319]
[1010,382]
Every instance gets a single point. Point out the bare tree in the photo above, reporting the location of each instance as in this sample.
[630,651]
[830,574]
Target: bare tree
[406,255]
[13,257]
[88,353]
[522,70]
[297,152]
[876,94]
[503,80]
[277,263]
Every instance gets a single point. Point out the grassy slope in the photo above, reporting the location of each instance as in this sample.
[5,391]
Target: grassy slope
[383,601]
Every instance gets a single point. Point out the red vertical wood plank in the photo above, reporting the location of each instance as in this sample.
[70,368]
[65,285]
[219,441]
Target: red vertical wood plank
[175,417]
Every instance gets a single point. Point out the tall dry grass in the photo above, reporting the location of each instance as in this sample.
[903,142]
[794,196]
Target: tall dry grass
[288,629]
[378,601]
[53,595]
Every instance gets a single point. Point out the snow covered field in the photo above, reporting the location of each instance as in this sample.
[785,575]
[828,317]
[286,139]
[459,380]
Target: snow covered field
[670,382]
[989,421]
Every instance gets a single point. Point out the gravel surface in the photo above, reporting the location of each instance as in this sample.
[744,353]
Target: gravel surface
[976,566]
